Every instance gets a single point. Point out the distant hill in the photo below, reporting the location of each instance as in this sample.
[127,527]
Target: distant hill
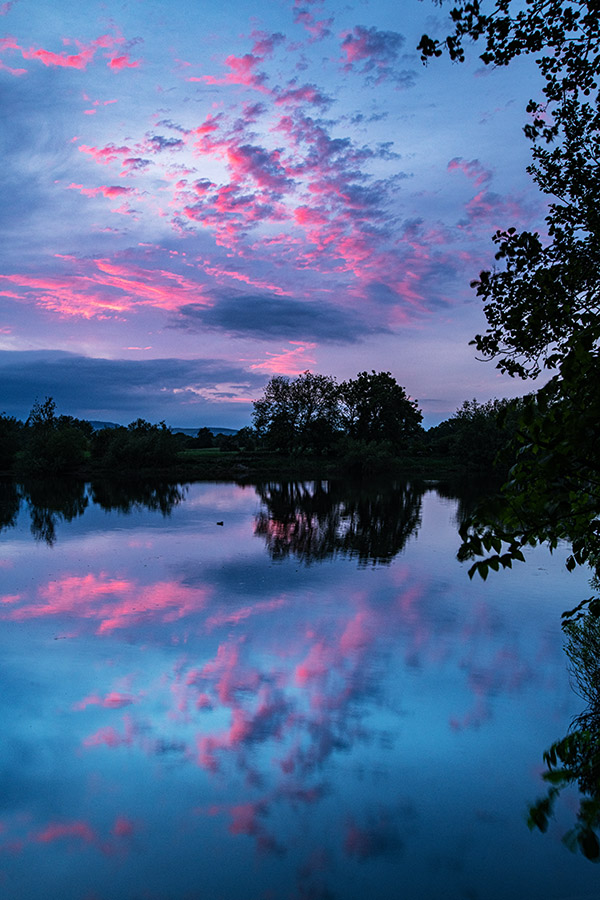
[98,426]
[191,432]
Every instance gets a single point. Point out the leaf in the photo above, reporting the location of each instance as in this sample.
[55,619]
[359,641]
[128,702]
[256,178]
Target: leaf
[589,845]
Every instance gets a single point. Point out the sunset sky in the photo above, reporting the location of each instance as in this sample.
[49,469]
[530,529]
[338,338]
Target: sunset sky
[198,196]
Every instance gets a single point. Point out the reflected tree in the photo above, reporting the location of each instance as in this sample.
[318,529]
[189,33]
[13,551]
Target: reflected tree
[575,759]
[51,502]
[314,521]
[127,496]
[10,503]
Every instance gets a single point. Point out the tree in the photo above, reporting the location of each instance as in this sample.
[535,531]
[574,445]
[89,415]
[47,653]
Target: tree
[478,435]
[53,445]
[10,437]
[141,445]
[298,414]
[377,408]
[542,304]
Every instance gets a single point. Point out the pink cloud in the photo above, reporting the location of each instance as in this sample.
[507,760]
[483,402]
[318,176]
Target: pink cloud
[376,54]
[242,73]
[305,94]
[107,154]
[67,60]
[240,615]
[123,827]
[113,700]
[266,44]
[289,362]
[123,62]
[110,191]
[317,28]
[472,169]
[101,288]
[110,737]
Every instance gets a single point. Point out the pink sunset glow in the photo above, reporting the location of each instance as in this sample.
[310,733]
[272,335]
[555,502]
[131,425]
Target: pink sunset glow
[230,192]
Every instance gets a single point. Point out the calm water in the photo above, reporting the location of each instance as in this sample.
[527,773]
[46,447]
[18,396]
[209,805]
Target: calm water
[309,700]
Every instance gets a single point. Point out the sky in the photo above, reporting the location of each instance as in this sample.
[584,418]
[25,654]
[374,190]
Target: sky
[196,197]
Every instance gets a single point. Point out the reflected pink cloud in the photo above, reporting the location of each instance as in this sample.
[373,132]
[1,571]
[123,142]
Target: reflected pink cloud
[113,700]
[123,827]
[60,830]
[110,737]
[317,28]
[111,603]
[240,615]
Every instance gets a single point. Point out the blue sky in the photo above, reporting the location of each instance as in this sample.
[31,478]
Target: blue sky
[196,198]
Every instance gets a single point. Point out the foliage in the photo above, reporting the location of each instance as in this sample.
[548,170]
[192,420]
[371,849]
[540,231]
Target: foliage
[543,312]
[203,439]
[575,759]
[376,408]
[10,439]
[543,305]
[125,496]
[139,446]
[51,445]
[50,501]
[298,414]
[313,413]
[478,436]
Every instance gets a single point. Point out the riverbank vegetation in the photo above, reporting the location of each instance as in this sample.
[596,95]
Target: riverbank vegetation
[309,426]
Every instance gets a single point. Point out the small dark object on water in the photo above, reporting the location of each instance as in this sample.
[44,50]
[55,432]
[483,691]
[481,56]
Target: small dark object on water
[219,523]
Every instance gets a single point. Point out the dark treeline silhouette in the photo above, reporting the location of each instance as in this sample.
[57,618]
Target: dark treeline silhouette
[364,426]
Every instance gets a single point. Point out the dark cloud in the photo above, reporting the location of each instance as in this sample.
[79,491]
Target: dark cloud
[121,390]
[267,316]
[376,54]
[158,143]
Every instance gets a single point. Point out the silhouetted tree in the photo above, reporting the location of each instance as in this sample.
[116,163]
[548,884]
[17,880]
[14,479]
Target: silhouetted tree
[298,414]
[51,445]
[377,408]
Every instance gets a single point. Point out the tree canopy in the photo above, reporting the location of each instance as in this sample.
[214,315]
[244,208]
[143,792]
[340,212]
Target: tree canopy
[542,302]
[311,412]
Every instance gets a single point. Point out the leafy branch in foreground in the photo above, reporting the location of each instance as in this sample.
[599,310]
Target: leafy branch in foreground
[542,306]
[575,759]
[542,303]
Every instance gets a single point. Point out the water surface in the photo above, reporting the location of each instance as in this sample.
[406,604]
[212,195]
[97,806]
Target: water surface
[282,691]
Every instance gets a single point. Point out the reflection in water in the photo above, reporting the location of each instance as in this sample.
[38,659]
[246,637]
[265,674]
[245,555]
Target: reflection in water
[182,718]
[316,520]
[10,502]
[575,759]
[125,496]
[51,502]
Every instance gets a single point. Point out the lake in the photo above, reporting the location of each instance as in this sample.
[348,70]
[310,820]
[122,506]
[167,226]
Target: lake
[226,691]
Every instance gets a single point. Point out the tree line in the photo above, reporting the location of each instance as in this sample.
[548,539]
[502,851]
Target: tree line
[365,425]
